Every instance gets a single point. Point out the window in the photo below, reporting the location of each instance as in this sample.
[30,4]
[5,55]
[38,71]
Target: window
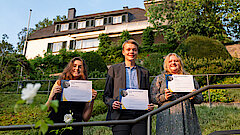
[117,19]
[49,47]
[64,27]
[90,23]
[90,43]
[75,25]
[72,25]
[78,44]
[81,24]
[72,45]
[124,18]
[98,22]
[57,28]
[107,20]
[64,44]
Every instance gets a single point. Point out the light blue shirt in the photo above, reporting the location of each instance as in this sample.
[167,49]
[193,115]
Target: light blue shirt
[131,78]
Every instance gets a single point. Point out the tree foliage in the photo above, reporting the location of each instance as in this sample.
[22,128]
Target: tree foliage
[41,24]
[125,35]
[147,39]
[104,45]
[47,22]
[211,18]
[203,47]
[22,38]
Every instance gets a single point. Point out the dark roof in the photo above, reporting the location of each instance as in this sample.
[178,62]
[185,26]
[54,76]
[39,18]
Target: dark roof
[137,14]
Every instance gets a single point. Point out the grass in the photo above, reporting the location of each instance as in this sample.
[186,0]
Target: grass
[211,119]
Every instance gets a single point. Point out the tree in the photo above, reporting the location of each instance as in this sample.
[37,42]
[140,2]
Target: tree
[125,35]
[41,24]
[5,47]
[59,18]
[147,39]
[22,38]
[46,22]
[211,18]
[104,45]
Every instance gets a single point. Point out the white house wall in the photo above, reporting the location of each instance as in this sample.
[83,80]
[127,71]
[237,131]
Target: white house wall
[38,47]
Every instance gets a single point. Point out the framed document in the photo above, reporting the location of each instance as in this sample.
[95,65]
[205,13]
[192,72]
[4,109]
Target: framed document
[76,90]
[179,83]
[134,99]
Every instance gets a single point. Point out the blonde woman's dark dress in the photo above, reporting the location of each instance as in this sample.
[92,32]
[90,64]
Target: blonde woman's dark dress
[180,119]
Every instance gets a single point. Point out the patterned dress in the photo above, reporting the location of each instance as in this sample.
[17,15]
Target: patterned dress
[180,119]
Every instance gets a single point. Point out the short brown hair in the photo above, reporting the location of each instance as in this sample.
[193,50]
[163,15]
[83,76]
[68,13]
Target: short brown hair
[130,41]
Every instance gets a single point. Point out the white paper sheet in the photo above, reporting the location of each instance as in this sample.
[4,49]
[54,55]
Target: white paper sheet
[134,99]
[78,90]
[181,83]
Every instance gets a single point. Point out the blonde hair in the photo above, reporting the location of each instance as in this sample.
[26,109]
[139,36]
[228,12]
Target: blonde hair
[130,41]
[166,64]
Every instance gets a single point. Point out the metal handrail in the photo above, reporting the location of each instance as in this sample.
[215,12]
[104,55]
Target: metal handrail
[132,121]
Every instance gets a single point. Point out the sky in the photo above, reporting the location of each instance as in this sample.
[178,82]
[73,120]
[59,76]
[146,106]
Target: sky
[14,14]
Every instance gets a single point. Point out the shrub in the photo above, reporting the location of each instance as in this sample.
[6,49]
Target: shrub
[153,62]
[232,93]
[217,96]
[164,48]
[210,66]
[94,62]
[99,108]
[203,47]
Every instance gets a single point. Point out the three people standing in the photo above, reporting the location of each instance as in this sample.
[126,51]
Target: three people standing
[180,119]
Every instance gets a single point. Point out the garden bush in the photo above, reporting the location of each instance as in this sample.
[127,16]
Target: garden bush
[210,66]
[219,95]
[94,62]
[153,62]
[203,47]
[224,95]
[99,108]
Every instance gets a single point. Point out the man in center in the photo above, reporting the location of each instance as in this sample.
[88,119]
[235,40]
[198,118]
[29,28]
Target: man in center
[126,75]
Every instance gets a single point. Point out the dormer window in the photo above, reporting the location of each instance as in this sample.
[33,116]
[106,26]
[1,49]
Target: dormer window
[72,25]
[117,19]
[124,18]
[58,28]
[98,22]
[107,20]
[81,24]
[64,27]
[90,23]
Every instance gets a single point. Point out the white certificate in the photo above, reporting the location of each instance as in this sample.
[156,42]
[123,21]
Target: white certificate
[134,99]
[76,90]
[180,83]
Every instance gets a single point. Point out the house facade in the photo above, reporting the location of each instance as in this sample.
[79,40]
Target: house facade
[81,32]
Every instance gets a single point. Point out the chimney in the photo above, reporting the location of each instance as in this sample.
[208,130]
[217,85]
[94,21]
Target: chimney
[126,7]
[71,13]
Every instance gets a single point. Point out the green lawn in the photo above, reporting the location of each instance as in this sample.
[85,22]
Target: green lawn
[211,119]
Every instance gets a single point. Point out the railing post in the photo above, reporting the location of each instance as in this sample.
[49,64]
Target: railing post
[149,125]
[48,86]
[209,94]
[17,86]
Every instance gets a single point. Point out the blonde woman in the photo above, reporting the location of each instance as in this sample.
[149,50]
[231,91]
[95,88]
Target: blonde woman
[180,119]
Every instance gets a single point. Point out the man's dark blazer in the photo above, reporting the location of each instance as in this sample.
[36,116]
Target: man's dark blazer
[116,79]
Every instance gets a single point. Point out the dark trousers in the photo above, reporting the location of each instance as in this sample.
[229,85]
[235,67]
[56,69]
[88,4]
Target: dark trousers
[139,128]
